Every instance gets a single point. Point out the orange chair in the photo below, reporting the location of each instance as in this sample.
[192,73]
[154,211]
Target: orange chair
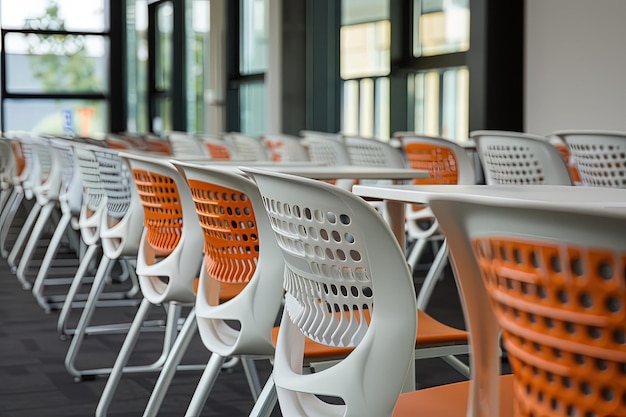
[547,267]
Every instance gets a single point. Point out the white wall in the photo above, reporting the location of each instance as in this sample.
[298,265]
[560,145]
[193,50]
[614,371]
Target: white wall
[575,71]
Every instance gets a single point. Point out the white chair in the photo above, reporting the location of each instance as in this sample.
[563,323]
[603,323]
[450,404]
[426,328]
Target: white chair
[519,158]
[168,259]
[599,156]
[545,266]
[185,145]
[70,201]
[247,147]
[112,201]
[286,148]
[328,149]
[240,281]
[348,286]
[218,148]
[447,163]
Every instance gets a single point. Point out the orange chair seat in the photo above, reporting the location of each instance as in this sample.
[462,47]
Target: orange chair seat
[430,332]
[449,400]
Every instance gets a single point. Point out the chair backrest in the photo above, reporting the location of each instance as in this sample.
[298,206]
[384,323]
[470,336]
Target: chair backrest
[243,266]
[94,197]
[562,147]
[552,275]
[247,147]
[373,152]
[285,148]
[519,158]
[48,165]
[445,161]
[71,196]
[218,148]
[326,148]
[342,265]
[122,224]
[185,144]
[7,164]
[170,255]
[599,156]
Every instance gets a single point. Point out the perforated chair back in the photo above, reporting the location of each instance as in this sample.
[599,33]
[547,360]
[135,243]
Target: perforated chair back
[242,275]
[247,147]
[599,156]
[122,223]
[285,148]
[343,266]
[519,158]
[170,255]
[552,275]
[373,152]
[94,198]
[71,195]
[185,145]
[46,183]
[218,148]
[7,164]
[326,148]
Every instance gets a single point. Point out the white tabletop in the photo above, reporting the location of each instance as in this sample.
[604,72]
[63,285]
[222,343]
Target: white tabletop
[328,172]
[609,199]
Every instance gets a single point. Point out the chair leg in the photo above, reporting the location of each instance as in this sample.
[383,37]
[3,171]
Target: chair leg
[119,367]
[169,368]
[77,282]
[7,216]
[23,235]
[46,263]
[205,385]
[434,272]
[32,243]
[266,402]
[416,252]
[252,376]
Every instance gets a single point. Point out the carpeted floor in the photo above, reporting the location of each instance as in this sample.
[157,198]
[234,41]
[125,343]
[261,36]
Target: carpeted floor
[34,382]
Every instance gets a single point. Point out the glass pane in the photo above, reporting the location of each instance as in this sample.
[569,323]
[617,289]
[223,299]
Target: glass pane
[440,101]
[56,63]
[137,65]
[365,49]
[252,105]
[70,15]
[440,27]
[164,46]
[350,115]
[198,55]
[253,37]
[162,121]
[56,117]
[366,108]
[360,11]
[382,109]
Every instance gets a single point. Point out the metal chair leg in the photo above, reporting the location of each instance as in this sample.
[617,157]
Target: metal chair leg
[169,368]
[32,243]
[23,235]
[267,400]
[209,376]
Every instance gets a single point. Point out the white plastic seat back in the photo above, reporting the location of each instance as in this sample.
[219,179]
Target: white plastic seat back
[519,158]
[285,148]
[185,145]
[240,252]
[553,274]
[94,198]
[71,181]
[247,147]
[122,224]
[342,264]
[599,156]
[328,149]
[7,164]
[48,162]
[170,250]
[218,148]
[373,152]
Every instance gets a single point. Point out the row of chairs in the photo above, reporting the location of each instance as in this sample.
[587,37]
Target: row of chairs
[158,174]
[93,200]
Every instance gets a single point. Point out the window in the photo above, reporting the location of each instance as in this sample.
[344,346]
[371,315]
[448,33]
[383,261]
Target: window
[440,27]
[56,56]
[364,67]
